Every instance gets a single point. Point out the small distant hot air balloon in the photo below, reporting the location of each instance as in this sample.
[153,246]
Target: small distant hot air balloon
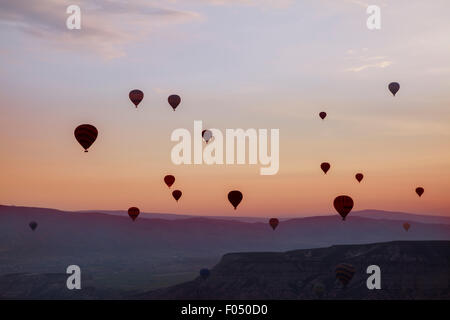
[136,96]
[319,289]
[33,225]
[177,194]
[420,191]
[325,166]
[207,135]
[133,212]
[343,205]
[394,87]
[169,180]
[86,135]
[174,101]
[323,115]
[359,177]
[274,223]
[345,272]
[235,197]
[204,273]
[406,226]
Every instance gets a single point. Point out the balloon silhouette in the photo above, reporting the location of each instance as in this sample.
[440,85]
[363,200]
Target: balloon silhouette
[319,289]
[136,96]
[207,135]
[325,166]
[33,225]
[406,226]
[344,273]
[174,101]
[177,194]
[86,134]
[359,177]
[133,212]
[322,115]
[274,223]
[420,191]
[343,205]
[169,180]
[204,273]
[394,87]
[235,197]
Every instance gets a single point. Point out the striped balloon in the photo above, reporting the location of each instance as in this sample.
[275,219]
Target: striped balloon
[86,134]
[345,272]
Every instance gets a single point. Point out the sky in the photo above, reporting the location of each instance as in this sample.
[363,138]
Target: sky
[269,64]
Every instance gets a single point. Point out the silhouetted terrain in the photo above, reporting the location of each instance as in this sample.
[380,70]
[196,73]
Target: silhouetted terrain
[409,270]
[118,254]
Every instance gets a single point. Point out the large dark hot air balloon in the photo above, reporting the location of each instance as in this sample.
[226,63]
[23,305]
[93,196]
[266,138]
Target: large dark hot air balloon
[325,166]
[33,225]
[343,205]
[344,273]
[169,180]
[322,115]
[274,223]
[394,87]
[207,135]
[86,134]
[136,96]
[359,177]
[406,226]
[174,101]
[235,197]
[420,191]
[133,212]
[177,194]
[204,273]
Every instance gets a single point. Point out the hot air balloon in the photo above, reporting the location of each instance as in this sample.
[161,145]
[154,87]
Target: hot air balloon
[136,96]
[343,205]
[33,225]
[133,212]
[345,272]
[319,289]
[169,180]
[177,194]
[394,87]
[207,135]
[325,166]
[174,101]
[406,226]
[204,273]
[274,223]
[359,177]
[86,134]
[322,115]
[420,191]
[235,197]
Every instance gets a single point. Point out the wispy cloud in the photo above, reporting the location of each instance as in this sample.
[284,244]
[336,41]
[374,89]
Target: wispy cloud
[106,25]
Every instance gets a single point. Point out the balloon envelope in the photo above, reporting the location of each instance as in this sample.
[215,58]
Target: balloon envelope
[235,197]
[204,273]
[274,223]
[177,194]
[174,101]
[343,205]
[86,135]
[345,272]
[406,226]
[169,180]
[394,87]
[207,135]
[359,177]
[33,225]
[133,212]
[420,191]
[136,96]
[322,115]
[325,166]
